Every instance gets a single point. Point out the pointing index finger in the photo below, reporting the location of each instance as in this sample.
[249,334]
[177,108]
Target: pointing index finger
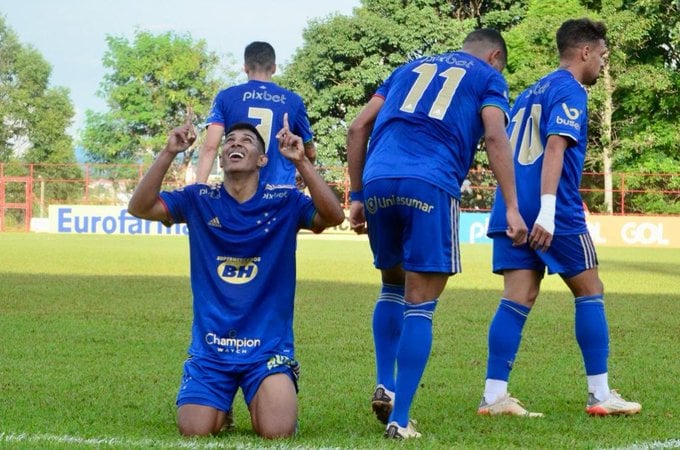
[285,121]
[190,116]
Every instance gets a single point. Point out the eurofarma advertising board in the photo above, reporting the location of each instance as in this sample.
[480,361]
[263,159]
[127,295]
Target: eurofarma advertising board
[83,219]
[639,231]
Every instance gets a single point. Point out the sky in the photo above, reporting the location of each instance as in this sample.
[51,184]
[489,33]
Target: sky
[71,34]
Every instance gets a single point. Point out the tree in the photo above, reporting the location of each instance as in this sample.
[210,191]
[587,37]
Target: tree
[345,58]
[34,115]
[34,118]
[152,81]
[634,109]
[636,112]
[646,117]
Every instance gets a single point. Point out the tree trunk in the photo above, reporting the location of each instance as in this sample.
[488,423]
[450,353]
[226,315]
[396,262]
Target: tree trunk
[607,140]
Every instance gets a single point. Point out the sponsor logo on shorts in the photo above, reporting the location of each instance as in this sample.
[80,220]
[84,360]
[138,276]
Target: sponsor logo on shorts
[282,360]
[374,203]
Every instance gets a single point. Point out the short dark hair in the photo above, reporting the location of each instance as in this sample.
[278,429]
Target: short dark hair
[490,36]
[575,32]
[249,127]
[259,56]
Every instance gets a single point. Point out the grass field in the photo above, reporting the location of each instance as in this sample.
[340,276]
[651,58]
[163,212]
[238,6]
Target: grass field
[94,329]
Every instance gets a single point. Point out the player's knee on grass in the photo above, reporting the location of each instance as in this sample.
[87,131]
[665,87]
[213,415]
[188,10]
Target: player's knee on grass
[199,420]
[274,409]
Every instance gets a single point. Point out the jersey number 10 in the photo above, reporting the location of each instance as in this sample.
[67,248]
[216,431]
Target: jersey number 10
[531,146]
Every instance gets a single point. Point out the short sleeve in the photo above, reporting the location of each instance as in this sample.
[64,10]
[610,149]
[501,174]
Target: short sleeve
[496,94]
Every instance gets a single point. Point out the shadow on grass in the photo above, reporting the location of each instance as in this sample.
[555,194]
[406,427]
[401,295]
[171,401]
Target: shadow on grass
[645,266]
[101,356]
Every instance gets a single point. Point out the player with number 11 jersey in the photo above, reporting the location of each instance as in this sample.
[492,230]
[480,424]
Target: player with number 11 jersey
[453,88]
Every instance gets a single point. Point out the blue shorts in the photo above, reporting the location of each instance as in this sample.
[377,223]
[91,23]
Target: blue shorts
[209,383]
[412,223]
[568,255]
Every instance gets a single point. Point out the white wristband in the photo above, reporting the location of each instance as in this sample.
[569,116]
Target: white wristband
[546,216]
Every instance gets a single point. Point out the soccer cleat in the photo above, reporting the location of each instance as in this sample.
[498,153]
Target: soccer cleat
[505,405]
[394,431]
[382,403]
[612,406]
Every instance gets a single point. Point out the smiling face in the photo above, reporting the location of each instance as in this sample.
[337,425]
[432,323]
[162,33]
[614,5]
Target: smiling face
[242,152]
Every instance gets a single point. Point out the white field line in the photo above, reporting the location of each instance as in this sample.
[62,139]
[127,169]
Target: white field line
[15,438]
[655,445]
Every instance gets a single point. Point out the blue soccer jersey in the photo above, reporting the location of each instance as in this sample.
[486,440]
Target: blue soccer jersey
[263,104]
[242,268]
[430,124]
[555,105]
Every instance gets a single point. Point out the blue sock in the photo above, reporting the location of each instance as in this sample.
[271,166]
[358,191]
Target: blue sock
[592,333]
[412,356]
[388,318]
[505,334]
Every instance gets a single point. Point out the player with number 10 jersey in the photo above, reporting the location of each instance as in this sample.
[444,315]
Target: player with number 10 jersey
[555,105]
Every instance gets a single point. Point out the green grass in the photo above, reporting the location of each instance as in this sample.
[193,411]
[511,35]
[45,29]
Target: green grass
[94,330]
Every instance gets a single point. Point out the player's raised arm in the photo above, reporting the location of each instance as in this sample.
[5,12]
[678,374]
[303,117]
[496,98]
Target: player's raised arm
[144,202]
[329,211]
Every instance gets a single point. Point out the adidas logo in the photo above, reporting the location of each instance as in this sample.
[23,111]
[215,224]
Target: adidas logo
[215,222]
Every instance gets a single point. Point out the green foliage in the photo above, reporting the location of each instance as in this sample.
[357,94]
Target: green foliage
[152,81]
[531,44]
[34,119]
[34,115]
[646,118]
[345,58]
[505,17]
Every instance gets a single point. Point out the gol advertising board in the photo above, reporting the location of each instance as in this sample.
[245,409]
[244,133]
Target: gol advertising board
[638,231]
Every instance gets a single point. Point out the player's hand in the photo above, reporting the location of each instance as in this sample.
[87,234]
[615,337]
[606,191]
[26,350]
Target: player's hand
[517,229]
[540,238]
[182,137]
[290,145]
[357,218]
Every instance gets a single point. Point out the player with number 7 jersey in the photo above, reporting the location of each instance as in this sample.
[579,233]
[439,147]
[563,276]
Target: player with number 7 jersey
[262,103]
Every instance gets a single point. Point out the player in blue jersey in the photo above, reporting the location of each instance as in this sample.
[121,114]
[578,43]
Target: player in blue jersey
[242,239]
[261,102]
[548,130]
[424,124]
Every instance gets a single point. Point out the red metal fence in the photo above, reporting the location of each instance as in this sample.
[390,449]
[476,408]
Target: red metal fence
[26,191]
